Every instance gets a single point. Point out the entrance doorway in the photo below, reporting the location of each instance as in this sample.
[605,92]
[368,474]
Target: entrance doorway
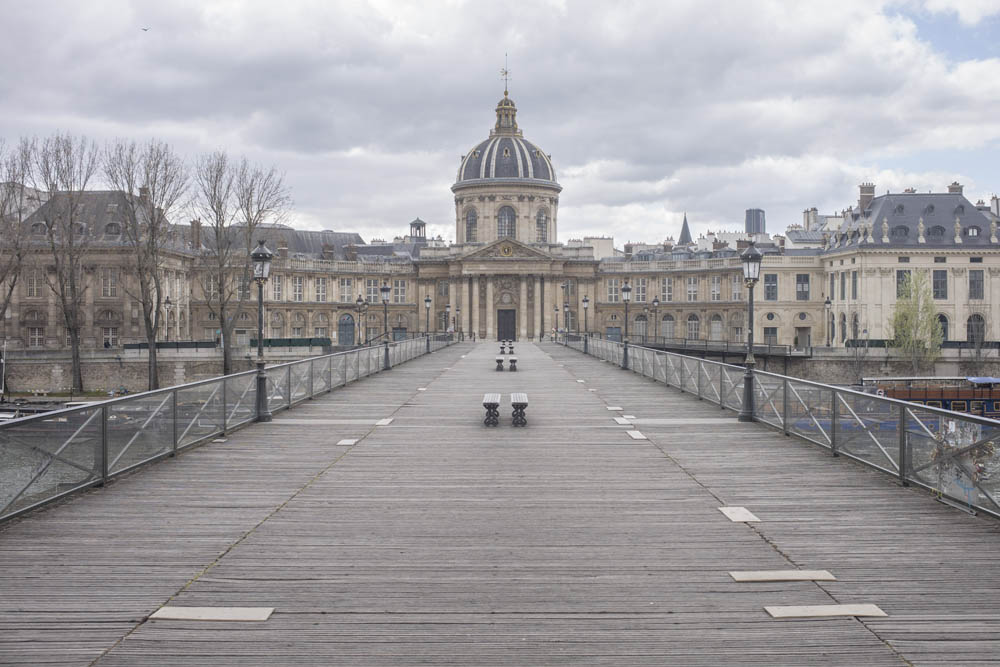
[803,337]
[505,324]
[345,330]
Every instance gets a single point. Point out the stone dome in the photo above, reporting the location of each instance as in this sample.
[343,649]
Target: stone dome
[505,155]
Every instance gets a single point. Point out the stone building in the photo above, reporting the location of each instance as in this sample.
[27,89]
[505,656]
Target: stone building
[508,276]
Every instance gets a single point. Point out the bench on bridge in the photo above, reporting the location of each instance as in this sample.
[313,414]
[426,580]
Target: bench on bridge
[519,401]
[499,361]
[492,404]
[512,362]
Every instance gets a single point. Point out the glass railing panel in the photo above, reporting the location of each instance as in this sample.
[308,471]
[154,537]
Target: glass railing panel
[321,374]
[44,457]
[768,398]
[710,388]
[139,430]
[241,399]
[732,387]
[199,412]
[810,412]
[300,381]
[277,388]
[954,456]
[868,429]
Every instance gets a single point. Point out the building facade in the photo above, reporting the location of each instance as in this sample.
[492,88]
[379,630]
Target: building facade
[508,276]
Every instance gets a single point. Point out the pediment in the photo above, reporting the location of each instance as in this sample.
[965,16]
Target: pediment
[507,249]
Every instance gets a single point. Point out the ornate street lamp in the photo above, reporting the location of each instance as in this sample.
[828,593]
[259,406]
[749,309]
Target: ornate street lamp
[458,321]
[385,289]
[261,258]
[586,330]
[645,328]
[362,306]
[656,324]
[565,320]
[626,297]
[751,274]
[427,321]
[829,329]
[555,308]
[447,319]
[167,306]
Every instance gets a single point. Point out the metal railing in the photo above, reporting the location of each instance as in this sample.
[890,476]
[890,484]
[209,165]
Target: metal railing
[705,345]
[952,454]
[48,456]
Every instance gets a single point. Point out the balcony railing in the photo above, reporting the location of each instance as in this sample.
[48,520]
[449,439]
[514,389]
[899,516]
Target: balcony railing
[48,456]
[952,454]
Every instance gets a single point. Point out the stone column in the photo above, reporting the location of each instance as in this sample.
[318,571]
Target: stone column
[452,300]
[522,310]
[547,303]
[490,311]
[537,324]
[475,306]
[467,306]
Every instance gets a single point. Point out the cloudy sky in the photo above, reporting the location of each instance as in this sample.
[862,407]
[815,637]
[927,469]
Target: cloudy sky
[649,109]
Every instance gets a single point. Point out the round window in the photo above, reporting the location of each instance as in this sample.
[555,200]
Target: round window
[802,316]
[770,316]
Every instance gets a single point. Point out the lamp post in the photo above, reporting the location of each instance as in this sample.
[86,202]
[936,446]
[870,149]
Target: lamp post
[447,318]
[829,329]
[565,320]
[167,306]
[626,297]
[656,323]
[261,257]
[645,328]
[751,274]
[427,321]
[360,303]
[458,321]
[385,289]
[555,308]
[586,330]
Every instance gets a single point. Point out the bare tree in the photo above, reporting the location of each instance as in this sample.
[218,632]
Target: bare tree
[15,172]
[151,180]
[916,331]
[63,166]
[232,200]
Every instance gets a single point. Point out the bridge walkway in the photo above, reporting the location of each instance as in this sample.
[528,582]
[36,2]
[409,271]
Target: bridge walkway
[435,540]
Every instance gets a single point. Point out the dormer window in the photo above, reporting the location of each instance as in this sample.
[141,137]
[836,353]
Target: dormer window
[929,210]
[899,209]
[972,231]
[38,229]
[506,152]
[960,209]
[937,231]
[900,231]
[112,229]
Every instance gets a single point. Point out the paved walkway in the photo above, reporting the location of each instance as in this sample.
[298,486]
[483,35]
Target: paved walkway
[435,540]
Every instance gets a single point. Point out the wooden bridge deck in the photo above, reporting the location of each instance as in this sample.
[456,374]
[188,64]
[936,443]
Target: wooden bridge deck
[435,540]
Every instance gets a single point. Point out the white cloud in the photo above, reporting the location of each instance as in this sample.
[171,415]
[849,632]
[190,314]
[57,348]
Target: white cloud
[969,12]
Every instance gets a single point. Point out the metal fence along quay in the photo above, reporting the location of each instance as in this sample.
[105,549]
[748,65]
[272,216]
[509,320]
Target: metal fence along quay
[48,456]
[952,454]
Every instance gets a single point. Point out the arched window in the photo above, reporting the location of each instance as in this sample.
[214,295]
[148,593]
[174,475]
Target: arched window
[975,329]
[506,222]
[471,222]
[900,231]
[694,325]
[667,326]
[843,328]
[935,232]
[108,316]
[715,327]
[542,226]
[943,323]
[855,327]
[641,326]
[112,229]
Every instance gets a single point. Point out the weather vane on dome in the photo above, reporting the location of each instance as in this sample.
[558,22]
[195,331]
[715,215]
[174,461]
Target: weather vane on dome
[505,73]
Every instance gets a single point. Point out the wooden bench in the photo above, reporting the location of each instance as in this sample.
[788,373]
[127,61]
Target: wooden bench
[499,361]
[512,361]
[519,401]
[492,404]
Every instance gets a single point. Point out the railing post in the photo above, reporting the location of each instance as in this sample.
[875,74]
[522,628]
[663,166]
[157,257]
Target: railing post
[225,408]
[700,373]
[288,377]
[312,386]
[784,407]
[104,445]
[722,385]
[173,451]
[834,411]
[329,383]
[904,462]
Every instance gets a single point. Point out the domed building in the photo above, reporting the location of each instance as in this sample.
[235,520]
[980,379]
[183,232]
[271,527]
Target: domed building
[506,187]
[506,276]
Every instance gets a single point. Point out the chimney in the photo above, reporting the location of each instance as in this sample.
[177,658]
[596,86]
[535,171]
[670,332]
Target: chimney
[329,251]
[909,191]
[955,188]
[282,248]
[196,235]
[995,205]
[866,195]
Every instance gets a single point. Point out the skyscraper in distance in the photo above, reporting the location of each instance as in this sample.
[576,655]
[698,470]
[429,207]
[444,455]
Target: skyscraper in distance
[755,221]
